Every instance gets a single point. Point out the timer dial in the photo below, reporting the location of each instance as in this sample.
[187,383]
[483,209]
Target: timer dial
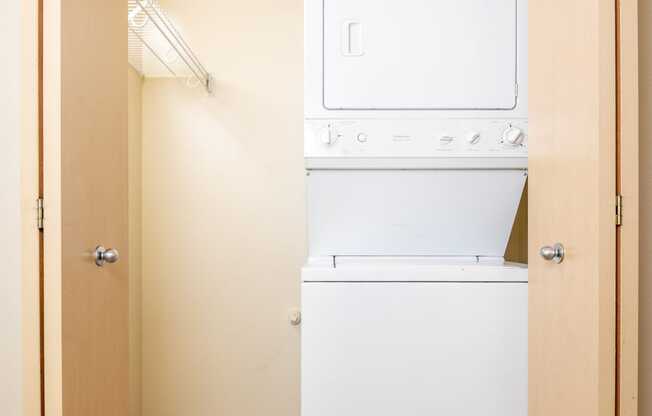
[513,136]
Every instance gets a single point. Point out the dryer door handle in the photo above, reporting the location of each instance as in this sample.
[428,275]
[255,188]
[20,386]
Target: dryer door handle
[352,38]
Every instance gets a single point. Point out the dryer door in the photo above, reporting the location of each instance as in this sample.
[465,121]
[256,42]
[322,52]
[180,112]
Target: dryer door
[420,54]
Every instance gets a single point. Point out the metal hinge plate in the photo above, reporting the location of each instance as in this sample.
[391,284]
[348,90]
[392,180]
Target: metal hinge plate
[40,214]
[619,210]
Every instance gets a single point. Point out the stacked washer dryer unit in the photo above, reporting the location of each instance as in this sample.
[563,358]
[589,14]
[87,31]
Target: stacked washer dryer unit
[416,158]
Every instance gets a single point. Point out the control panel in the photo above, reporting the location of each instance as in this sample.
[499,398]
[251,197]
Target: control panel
[416,138]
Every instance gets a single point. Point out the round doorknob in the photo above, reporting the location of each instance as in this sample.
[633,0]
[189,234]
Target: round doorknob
[555,253]
[104,255]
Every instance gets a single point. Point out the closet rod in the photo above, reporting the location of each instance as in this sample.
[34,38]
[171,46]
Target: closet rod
[170,42]
[179,39]
[149,24]
[149,48]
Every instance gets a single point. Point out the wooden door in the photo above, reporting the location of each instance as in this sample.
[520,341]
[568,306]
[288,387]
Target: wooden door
[572,305]
[85,178]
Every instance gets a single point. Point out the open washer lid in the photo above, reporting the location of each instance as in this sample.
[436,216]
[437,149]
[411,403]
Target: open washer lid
[420,54]
[445,212]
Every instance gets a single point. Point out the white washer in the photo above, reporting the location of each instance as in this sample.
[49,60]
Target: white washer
[416,155]
[415,337]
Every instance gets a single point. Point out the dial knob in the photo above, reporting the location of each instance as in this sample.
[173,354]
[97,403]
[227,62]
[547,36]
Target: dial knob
[513,136]
[325,136]
[446,139]
[328,135]
[473,137]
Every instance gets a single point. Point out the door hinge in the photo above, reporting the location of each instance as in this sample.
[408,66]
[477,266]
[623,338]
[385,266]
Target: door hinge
[619,210]
[40,214]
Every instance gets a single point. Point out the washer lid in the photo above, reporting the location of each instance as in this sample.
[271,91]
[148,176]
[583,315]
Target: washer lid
[420,54]
[446,212]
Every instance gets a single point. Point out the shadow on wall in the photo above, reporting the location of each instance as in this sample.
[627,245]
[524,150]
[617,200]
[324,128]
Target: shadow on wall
[223,239]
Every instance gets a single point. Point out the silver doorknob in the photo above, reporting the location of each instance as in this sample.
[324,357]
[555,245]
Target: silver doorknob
[104,255]
[555,253]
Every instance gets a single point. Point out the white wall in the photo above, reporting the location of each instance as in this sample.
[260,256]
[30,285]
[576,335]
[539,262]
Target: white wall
[10,219]
[224,216]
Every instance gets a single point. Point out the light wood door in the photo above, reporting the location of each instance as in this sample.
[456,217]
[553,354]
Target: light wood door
[85,175]
[572,305]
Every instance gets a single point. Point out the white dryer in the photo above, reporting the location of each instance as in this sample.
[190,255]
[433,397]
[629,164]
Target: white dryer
[416,160]
[415,58]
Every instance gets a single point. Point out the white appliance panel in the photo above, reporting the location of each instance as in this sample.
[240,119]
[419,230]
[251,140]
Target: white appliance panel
[412,212]
[393,141]
[417,349]
[420,54]
[414,269]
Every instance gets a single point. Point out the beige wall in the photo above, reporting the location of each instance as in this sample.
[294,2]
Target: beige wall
[19,278]
[30,234]
[135,237]
[11,356]
[645,302]
[223,216]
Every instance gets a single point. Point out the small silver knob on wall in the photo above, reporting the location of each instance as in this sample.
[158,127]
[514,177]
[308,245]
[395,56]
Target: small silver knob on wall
[555,253]
[103,255]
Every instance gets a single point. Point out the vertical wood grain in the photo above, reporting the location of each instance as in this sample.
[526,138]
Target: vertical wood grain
[571,200]
[628,184]
[85,141]
[52,318]
[30,264]
[135,237]
[645,206]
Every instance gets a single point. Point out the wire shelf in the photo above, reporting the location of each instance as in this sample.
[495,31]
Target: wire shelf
[157,49]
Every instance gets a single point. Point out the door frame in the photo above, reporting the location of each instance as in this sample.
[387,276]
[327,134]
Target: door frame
[627,185]
[30,182]
[627,234]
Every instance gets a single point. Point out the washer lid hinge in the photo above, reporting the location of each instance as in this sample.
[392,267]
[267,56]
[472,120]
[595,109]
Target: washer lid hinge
[619,210]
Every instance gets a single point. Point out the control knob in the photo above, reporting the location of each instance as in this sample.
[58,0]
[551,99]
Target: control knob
[513,136]
[473,137]
[328,135]
[446,139]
